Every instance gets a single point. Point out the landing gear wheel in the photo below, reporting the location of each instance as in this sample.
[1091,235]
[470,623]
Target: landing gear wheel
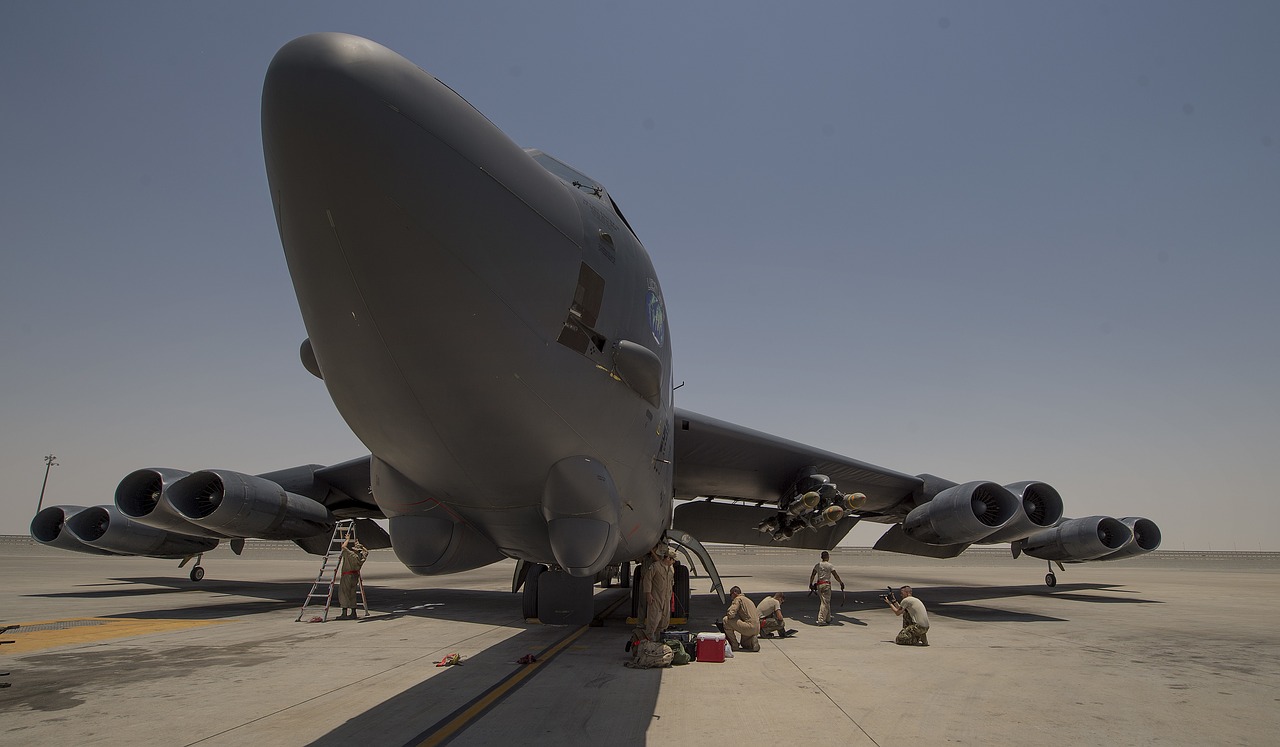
[636,594]
[197,573]
[530,599]
[681,591]
[1050,580]
[554,597]
[624,575]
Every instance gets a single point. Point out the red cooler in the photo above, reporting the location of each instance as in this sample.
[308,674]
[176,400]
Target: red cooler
[711,647]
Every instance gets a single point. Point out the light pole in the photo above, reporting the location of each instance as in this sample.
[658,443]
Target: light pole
[48,464]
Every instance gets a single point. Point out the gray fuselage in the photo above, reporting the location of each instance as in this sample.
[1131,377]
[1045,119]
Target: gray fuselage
[466,307]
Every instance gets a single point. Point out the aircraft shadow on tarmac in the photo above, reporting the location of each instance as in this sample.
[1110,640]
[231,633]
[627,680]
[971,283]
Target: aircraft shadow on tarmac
[503,608]
[601,695]
[602,685]
[272,596]
[942,601]
[459,605]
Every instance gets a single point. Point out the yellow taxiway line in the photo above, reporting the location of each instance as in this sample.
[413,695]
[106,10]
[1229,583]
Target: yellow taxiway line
[80,630]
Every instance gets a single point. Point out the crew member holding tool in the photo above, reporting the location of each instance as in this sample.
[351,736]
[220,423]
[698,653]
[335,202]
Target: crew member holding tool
[820,581]
[915,621]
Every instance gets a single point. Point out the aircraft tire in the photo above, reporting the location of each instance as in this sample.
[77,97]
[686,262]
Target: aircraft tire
[197,573]
[635,592]
[530,599]
[682,591]
[1050,580]
[624,575]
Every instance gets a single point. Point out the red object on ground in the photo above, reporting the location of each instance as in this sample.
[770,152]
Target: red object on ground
[711,647]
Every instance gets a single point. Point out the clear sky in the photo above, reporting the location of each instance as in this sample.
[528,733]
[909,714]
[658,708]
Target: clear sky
[991,240]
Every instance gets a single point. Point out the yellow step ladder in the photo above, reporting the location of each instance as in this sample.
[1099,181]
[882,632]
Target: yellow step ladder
[343,530]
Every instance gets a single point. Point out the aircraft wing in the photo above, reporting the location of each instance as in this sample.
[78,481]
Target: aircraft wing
[732,465]
[342,488]
[722,460]
[349,489]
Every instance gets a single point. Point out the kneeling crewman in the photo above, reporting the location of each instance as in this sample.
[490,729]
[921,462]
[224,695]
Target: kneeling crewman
[771,621]
[742,620]
[915,621]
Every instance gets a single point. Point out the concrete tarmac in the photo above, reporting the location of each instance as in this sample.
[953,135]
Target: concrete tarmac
[1174,648]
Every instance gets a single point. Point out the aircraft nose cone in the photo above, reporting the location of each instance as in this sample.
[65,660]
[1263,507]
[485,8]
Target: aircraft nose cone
[315,55]
[382,172]
[334,102]
[413,228]
[324,91]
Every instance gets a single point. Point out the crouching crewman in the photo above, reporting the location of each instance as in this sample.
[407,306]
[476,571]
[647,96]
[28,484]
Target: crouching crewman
[771,621]
[742,620]
[915,621]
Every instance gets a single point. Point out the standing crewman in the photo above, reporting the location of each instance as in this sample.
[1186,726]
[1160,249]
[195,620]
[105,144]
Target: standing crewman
[353,556]
[656,584]
[820,581]
[770,609]
[743,620]
[915,621]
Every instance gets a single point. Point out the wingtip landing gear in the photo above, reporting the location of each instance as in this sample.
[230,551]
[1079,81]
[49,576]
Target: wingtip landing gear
[197,571]
[1050,579]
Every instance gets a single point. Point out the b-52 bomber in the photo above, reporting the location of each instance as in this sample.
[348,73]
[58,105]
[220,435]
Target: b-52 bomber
[489,325]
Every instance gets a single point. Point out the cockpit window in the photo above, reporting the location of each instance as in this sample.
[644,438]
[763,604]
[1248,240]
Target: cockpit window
[578,180]
[570,176]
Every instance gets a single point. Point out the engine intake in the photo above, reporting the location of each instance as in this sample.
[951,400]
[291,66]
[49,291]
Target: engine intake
[49,527]
[105,528]
[142,496]
[1041,508]
[1087,538]
[963,513]
[1146,537]
[240,505]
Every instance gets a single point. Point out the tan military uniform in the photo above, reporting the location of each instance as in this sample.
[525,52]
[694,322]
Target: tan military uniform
[353,557]
[823,572]
[742,620]
[769,609]
[656,583]
[915,624]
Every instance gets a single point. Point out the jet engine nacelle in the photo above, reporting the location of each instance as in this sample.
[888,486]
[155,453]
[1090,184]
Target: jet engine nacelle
[49,527]
[1041,508]
[963,513]
[142,496]
[1146,537]
[1087,538]
[105,528]
[240,505]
